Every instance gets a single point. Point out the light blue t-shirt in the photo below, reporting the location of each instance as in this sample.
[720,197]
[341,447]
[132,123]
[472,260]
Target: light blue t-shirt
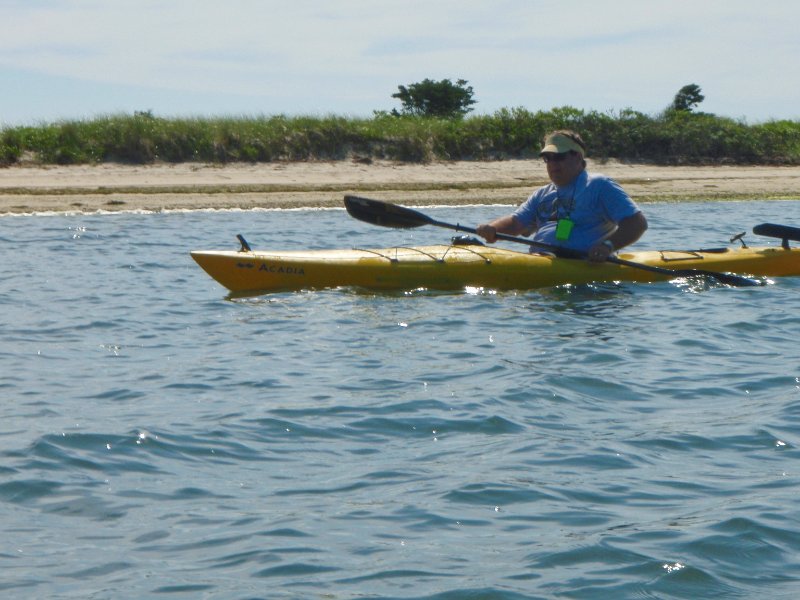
[595,203]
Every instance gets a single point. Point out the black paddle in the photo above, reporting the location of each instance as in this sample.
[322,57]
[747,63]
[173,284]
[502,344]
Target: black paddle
[392,215]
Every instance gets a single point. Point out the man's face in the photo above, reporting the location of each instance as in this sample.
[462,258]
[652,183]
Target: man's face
[563,168]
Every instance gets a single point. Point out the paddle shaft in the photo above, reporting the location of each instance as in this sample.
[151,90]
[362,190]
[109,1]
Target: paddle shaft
[511,238]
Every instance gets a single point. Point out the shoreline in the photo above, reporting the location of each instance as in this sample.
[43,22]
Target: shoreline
[322,184]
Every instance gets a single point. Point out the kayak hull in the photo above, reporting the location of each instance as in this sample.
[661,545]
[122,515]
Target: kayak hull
[455,267]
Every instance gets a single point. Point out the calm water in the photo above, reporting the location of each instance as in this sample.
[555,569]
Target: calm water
[159,440]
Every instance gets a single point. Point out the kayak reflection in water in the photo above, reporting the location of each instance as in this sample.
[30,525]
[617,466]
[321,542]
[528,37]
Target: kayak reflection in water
[579,210]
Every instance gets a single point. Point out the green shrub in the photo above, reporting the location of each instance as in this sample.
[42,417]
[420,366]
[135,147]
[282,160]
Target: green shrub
[674,137]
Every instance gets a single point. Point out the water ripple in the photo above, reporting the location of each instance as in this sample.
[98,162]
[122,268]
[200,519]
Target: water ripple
[603,441]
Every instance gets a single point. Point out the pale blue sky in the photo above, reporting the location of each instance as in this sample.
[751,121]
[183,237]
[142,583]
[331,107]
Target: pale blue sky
[83,58]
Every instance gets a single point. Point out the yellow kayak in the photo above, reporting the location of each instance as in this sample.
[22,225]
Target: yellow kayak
[456,267]
[468,263]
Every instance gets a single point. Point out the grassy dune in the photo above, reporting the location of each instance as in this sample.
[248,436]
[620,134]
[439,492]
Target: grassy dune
[669,138]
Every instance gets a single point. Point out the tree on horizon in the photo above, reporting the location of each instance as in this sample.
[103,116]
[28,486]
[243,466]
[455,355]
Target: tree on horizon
[687,98]
[430,98]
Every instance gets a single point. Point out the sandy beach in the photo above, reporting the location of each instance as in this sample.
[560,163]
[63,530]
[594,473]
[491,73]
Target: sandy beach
[113,187]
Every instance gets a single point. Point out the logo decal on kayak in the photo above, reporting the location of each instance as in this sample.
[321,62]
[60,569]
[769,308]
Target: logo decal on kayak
[281,269]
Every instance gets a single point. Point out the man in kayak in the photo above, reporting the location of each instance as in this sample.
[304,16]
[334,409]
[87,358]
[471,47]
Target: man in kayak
[581,211]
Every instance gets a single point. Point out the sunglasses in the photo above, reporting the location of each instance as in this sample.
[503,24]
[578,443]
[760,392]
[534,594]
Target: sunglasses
[555,157]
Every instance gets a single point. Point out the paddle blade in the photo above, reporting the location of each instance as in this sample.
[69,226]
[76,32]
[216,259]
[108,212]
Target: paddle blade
[384,214]
[734,280]
[782,232]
